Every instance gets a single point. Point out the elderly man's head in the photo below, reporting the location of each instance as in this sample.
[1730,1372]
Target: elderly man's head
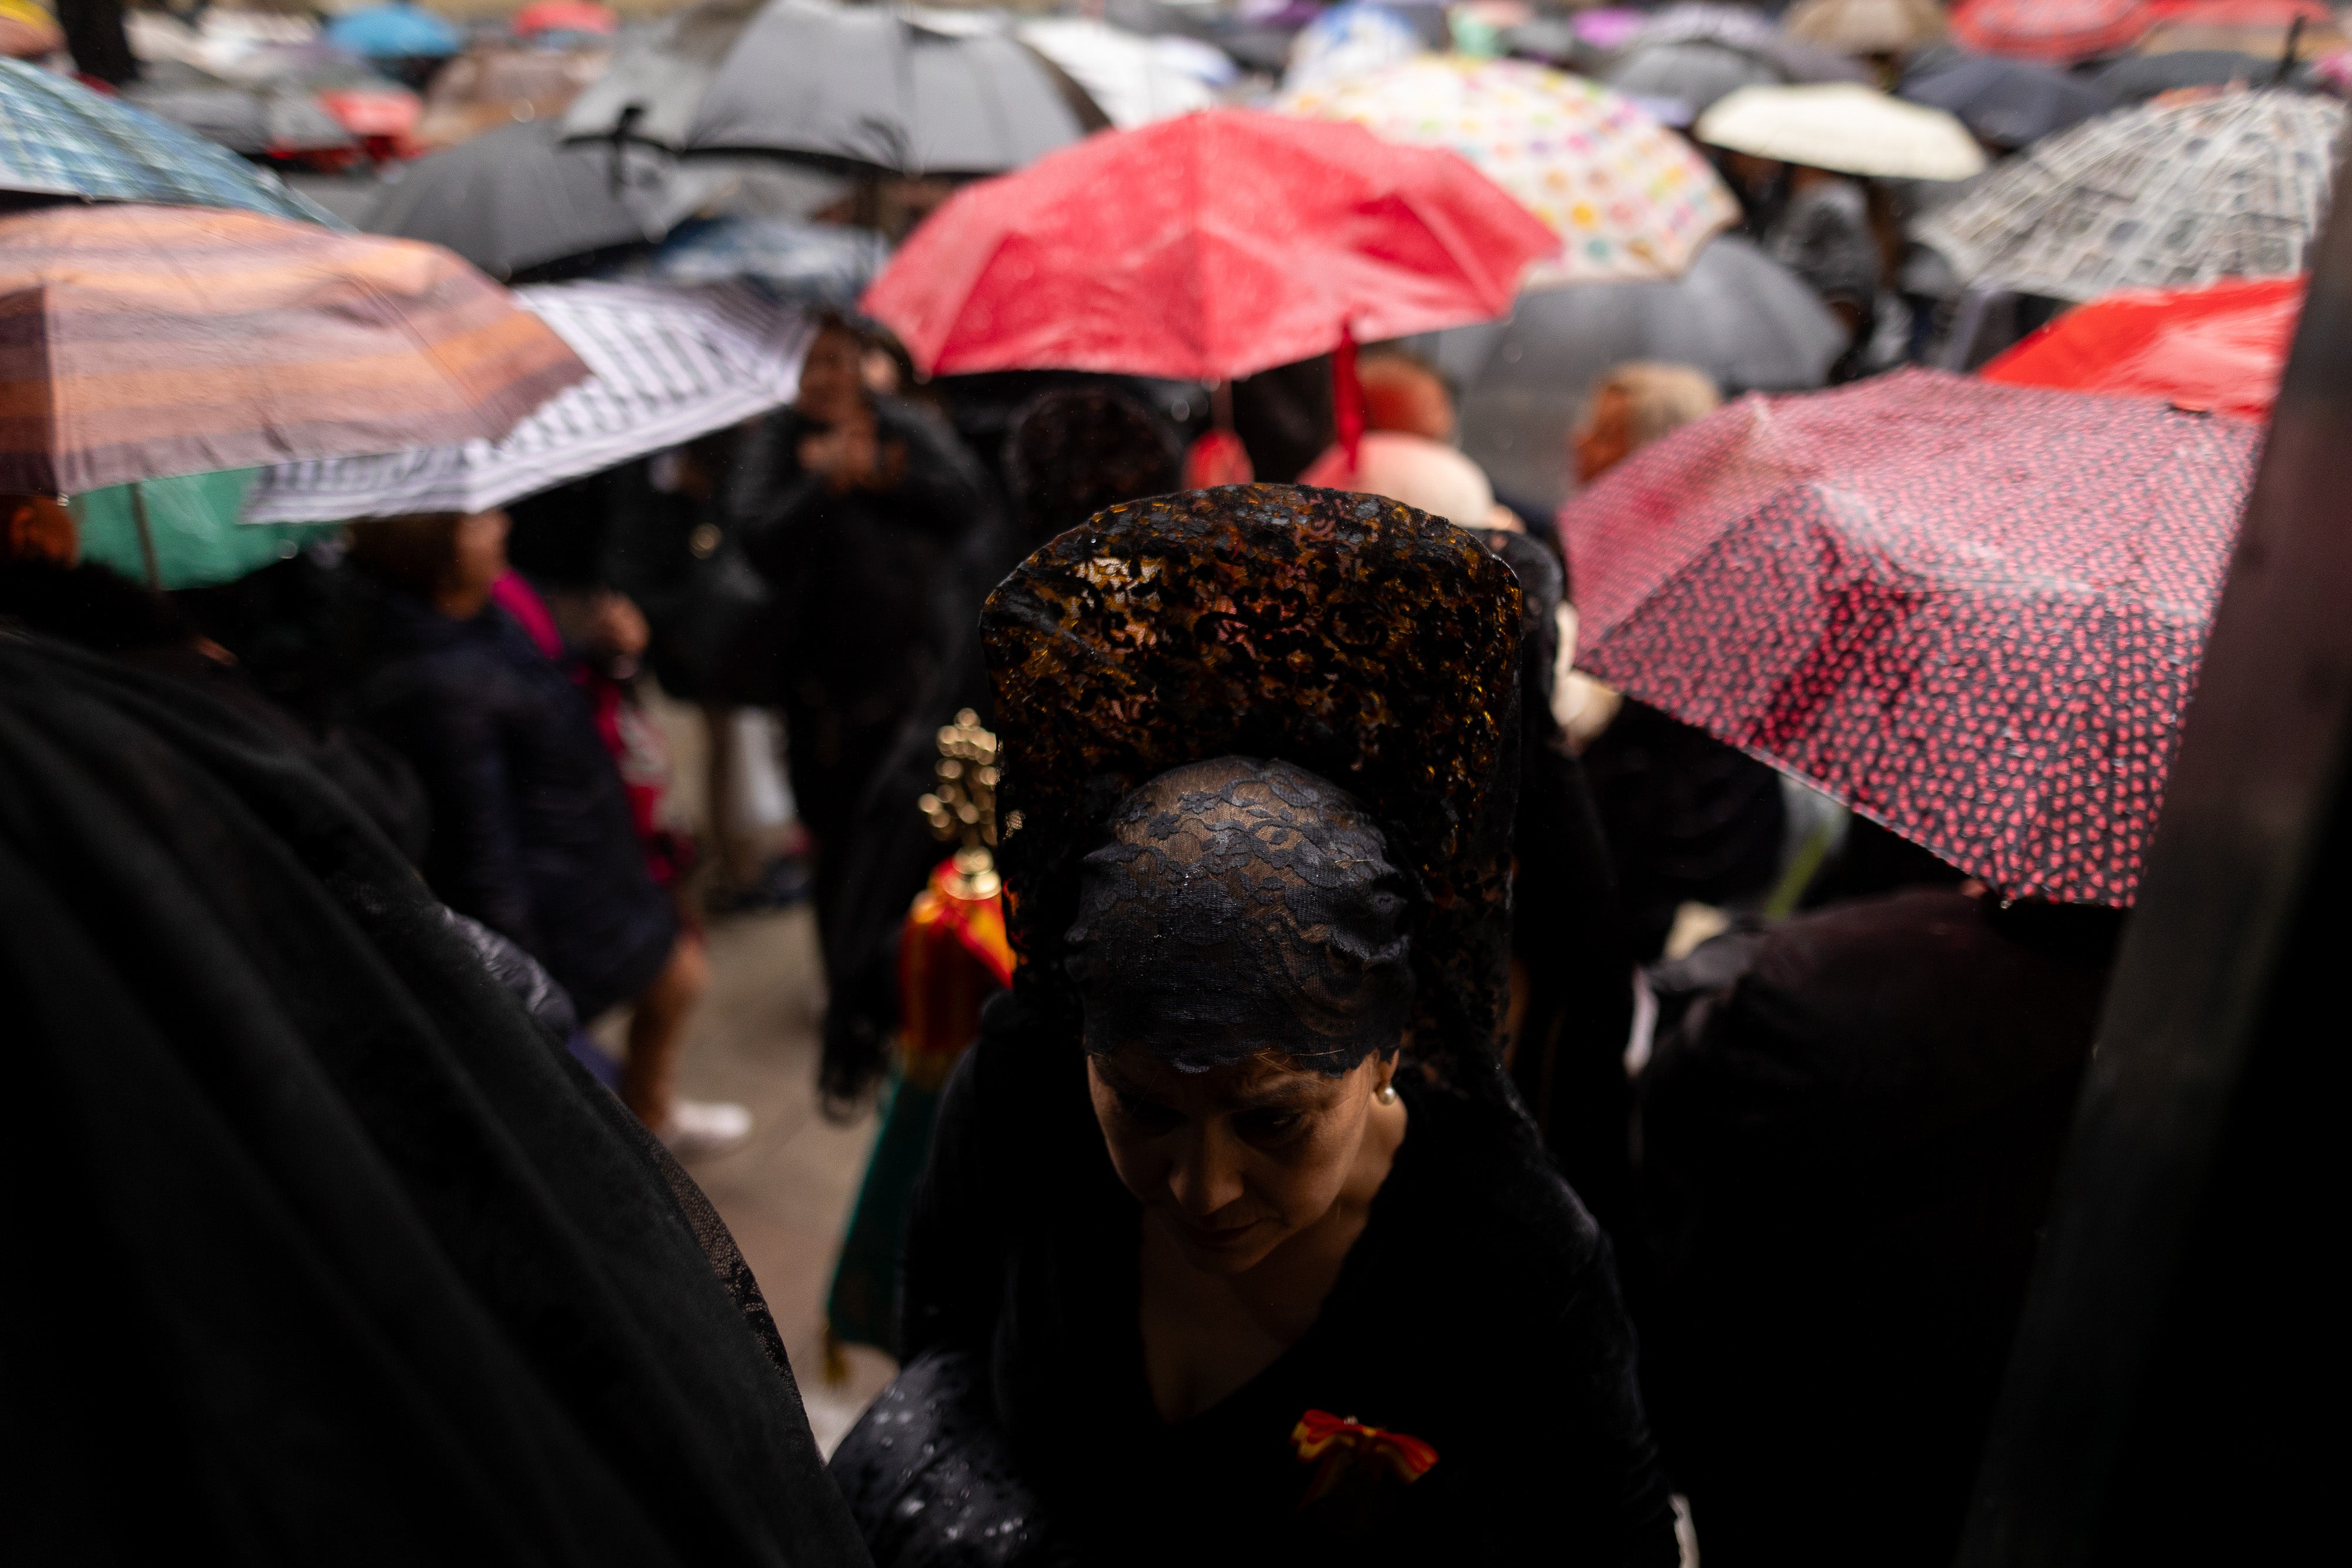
[1633,405]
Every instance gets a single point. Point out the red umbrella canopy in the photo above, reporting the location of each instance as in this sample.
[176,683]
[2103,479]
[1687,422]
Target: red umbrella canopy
[2220,350]
[1972,611]
[2058,31]
[1206,247]
[564,16]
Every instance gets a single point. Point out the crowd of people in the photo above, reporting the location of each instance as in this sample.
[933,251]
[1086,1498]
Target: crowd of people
[1443,1109]
[1807,1157]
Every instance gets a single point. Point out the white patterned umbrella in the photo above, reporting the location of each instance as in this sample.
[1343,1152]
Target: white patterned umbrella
[1629,198]
[1844,126]
[669,364]
[2158,196]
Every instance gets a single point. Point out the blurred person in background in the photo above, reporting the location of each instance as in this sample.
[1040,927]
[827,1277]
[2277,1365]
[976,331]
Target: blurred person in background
[855,506]
[531,828]
[1403,392]
[1688,819]
[1068,453]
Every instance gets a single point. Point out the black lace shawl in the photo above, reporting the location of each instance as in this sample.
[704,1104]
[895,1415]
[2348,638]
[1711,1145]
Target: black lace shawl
[319,1250]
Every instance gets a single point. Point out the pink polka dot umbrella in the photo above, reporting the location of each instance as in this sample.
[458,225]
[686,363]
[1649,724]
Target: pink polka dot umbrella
[1973,612]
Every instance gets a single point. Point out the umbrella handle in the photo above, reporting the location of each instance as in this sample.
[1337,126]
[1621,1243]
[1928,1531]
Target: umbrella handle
[146,535]
[2286,55]
[1347,396]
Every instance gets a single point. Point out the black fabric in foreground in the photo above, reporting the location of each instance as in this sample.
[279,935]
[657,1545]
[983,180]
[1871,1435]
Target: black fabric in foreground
[319,1251]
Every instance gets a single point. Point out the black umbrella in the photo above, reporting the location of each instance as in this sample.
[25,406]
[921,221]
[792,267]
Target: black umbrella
[1696,53]
[866,87]
[519,197]
[855,87]
[1737,314]
[2141,78]
[2010,103]
[1692,72]
[269,118]
[655,84]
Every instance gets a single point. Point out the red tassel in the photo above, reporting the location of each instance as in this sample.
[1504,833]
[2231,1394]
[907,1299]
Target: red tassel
[1347,396]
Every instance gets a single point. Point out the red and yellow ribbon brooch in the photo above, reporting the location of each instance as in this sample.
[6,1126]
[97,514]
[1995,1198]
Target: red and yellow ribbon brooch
[1338,1446]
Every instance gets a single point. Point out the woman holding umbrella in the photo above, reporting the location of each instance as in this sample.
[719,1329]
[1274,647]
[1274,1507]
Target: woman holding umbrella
[1231,1225]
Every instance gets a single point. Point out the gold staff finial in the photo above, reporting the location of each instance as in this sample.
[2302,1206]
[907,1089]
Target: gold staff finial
[961,807]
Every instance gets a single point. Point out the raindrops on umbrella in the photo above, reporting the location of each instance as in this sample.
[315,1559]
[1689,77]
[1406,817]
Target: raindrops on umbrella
[1973,612]
[2160,196]
[59,138]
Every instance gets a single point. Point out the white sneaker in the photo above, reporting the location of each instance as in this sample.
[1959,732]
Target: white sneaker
[702,1127]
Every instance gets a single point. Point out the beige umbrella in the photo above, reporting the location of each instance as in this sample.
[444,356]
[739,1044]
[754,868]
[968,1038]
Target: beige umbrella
[1865,27]
[1843,126]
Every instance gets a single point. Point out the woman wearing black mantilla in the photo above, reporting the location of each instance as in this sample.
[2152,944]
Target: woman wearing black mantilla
[1234,1243]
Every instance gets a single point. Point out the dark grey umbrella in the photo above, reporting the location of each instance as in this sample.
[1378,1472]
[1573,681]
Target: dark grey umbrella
[1695,54]
[251,119]
[1693,72]
[867,87]
[2141,78]
[2009,103]
[1737,314]
[657,77]
[517,197]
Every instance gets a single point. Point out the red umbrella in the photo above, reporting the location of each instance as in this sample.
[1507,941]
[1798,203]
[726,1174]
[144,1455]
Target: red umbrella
[1206,247]
[2059,31]
[2220,350]
[1972,611]
[564,16]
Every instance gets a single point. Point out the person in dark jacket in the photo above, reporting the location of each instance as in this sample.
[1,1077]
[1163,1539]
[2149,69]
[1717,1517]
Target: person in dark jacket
[531,833]
[1070,452]
[1847,1147]
[856,509]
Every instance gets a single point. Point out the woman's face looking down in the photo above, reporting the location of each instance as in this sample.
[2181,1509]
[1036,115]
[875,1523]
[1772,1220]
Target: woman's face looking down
[1234,1161]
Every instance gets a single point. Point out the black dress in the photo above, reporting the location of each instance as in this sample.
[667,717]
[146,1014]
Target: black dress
[1478,1312]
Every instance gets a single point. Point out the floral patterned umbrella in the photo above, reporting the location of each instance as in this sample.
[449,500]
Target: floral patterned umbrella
[1629,198]
[1973,612]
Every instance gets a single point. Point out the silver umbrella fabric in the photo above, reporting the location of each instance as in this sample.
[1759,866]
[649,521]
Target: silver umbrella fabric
[1692,73]
[657,81]
[252,119]
[2010,103]
[811,265]
[1737,314]
[519,197]
[2162,196]
[909,92]
[668,365]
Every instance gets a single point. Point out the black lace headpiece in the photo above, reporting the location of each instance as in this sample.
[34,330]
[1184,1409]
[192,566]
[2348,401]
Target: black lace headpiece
[1372,646]
[1243,906]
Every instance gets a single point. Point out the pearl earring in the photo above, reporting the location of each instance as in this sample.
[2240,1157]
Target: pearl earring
[1385,1095]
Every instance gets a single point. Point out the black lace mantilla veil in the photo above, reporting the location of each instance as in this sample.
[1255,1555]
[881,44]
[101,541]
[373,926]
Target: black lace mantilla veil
[1371,644]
